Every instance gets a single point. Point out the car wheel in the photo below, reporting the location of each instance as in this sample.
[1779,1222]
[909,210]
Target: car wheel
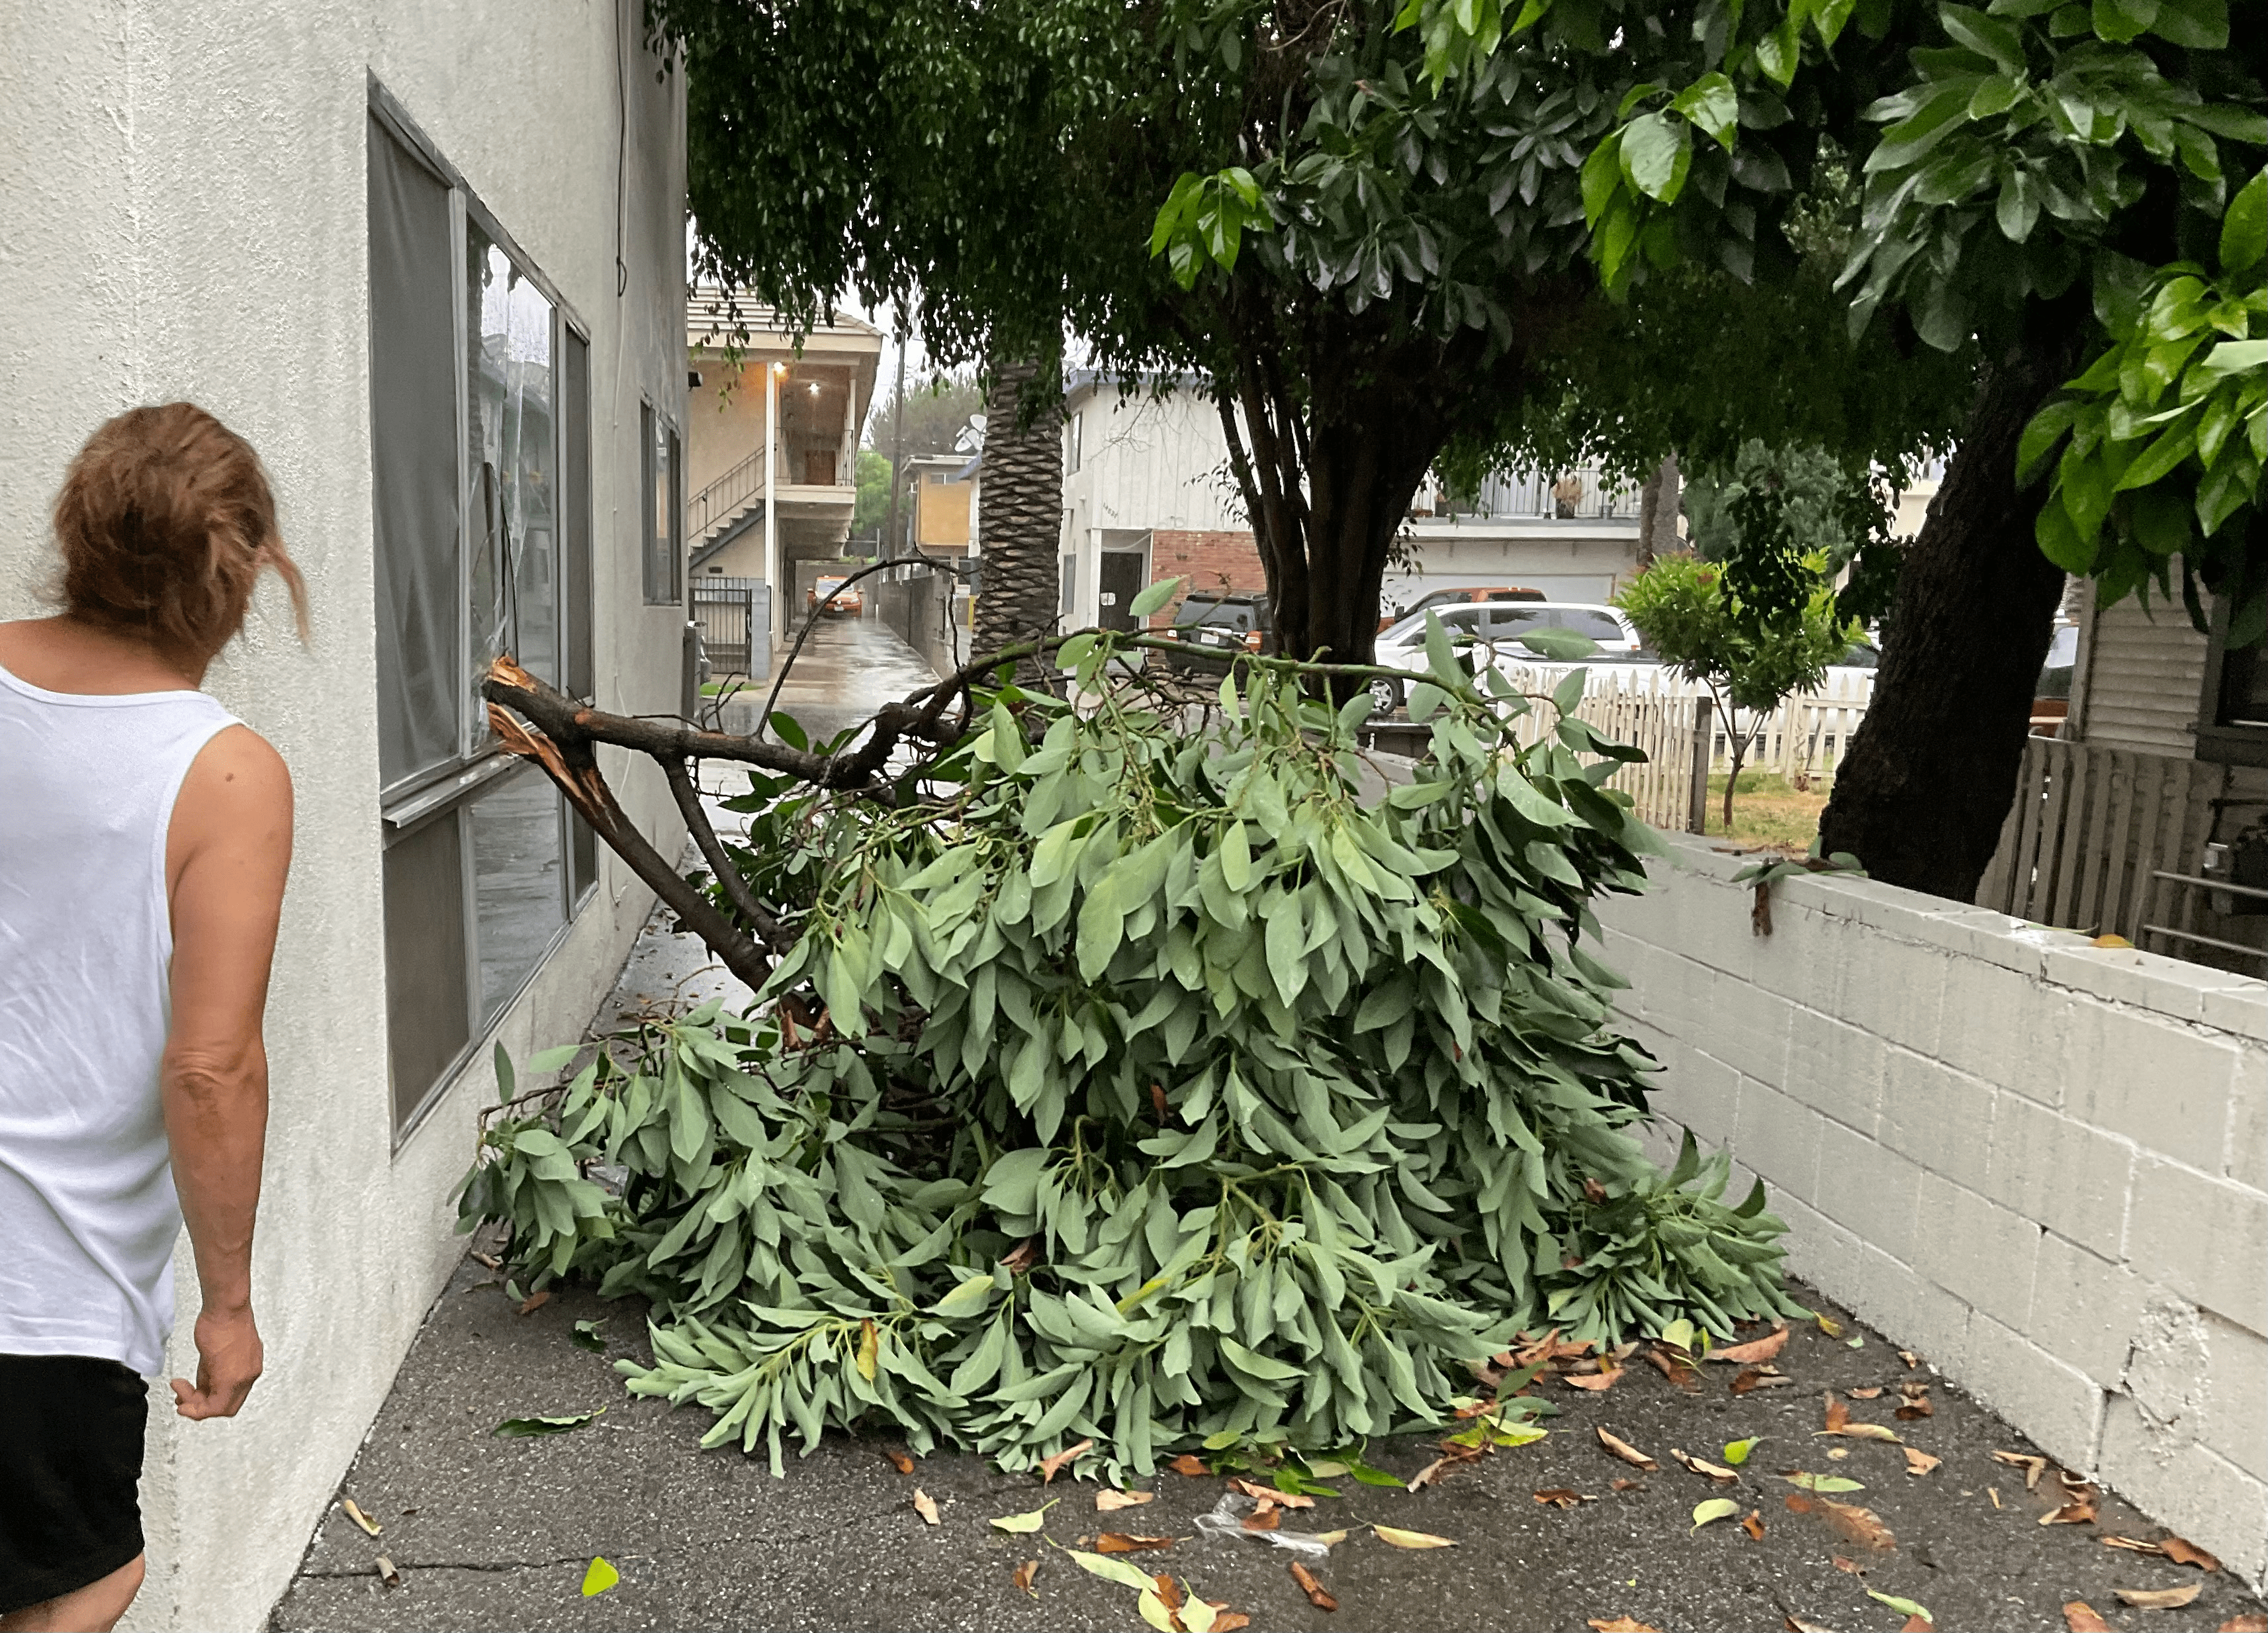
[1385,695]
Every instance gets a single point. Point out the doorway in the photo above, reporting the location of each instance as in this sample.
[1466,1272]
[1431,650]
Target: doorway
[1118,584]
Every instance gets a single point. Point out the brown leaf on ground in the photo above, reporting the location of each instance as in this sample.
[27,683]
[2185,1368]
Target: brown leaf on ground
[2080,1617]
[1707,1470]
[899,1460]
[1620,1624]
[2131,1545]
[1190,1465]
[1025,1572]
[1756,1351]
[925,1506]
[1919,1461]
[1627,1485]
[2250,1622]
[1263,1519]
[1547,1348]
[1051,1466]
[353,1512]
[1760,1378]
[1595,1382]
[1754,1524]
[2187,1553]
[1858,1525]
[1456,1458]
[1628,1452]
[535,1301]
[2080,1513]
[1313,1589]
[1169,1592]
[1839,1422]
[1796,1624]
[1229,1620]
[1851,1565]
[2159,1599]
[1119,1542]
[2033,1466]
[1559,1497]
[1915,1408]
[489,1260]
[387,1573]
[1799,1504]
[1864,1395]
[1675,1368]
[1107,1500]
[1917,1624]
[1910,1358]
[1267,1494]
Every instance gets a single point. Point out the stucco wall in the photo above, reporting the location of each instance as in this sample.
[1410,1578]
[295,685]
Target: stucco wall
[2043,1164]
[182,214]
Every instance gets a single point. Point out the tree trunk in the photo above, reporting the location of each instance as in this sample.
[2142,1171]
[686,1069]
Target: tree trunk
[1019,513]
[1933,767]
[1657,513]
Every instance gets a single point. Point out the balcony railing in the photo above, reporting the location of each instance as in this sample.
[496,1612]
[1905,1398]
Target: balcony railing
[743,485]
[1582,495]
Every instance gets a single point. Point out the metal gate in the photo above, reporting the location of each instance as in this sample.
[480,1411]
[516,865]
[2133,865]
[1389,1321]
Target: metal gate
[735,619]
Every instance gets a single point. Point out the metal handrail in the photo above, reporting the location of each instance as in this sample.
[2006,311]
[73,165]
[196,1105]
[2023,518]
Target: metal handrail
[706,509]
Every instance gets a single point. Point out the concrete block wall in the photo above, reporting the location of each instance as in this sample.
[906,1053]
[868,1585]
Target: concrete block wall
[2042,1164]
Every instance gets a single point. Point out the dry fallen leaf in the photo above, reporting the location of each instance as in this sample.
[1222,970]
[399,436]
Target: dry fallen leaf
[1864,1395]
[925,1506]
[1851,1565]
[1190,1465]
[535,1301]
[1994,1492]
[1626,1485]
[1107,1500]
[1025,1572]
[1707,1470]
[2159,1599]
[1759,1377]
[2131,1545]
[1394,1538]
[1914,1407]
[1917,1624]
[2033,1466]
[1839,1422]
[899,1460]
[1796,1624]
[1756,1350]
[1919,1461]
[1229,1620]
[2080,1617]
[1910,1358]
[1754,1524]
[1313,1589]
[1559,1497]
[1264,1520]
[491,1260]
[1119,1542]
[1331,1539]
[1595,1382]
[1675,1368]
[1829,1326]
[1628,1452]
[353,1512]
[386,1573]
[1266,1495]
[1620,1624]
[2250,1622]
[1049,1466]
[1850,1522]
[2080,1513]
[2187,1553]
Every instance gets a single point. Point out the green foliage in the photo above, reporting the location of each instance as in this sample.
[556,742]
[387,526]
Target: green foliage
[1146,1085]
[1782,517]
[2163,437]
[874,494]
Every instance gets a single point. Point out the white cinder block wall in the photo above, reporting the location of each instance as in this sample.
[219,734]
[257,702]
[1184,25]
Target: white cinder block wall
[2043,1164]
[183,213]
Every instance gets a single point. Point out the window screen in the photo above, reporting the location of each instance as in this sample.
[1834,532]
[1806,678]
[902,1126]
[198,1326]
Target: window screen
[413,462]
[428,1018]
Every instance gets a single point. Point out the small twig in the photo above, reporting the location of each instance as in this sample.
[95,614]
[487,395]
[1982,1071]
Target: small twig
[729,879]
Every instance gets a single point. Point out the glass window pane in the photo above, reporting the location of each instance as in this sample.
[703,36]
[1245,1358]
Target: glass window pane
[519,892]
[413,460]
[512,467]
[575,509]
[427,1020]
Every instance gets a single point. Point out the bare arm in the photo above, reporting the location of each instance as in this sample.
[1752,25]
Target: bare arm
[226,855]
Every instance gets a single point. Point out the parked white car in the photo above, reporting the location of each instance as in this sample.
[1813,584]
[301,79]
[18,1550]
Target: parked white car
[1500,624]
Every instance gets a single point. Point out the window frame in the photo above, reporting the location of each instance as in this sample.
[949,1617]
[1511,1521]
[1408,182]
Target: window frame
[447,792]
[661,556]
[2219,742]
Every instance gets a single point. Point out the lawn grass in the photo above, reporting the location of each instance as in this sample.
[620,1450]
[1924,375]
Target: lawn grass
[1769,810]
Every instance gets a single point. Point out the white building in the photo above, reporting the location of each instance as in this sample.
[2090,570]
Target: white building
[1573,537]
[386,242]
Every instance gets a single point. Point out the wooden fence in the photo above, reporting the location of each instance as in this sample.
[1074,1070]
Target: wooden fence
[2091,834]
[1806,737]
[1636,709]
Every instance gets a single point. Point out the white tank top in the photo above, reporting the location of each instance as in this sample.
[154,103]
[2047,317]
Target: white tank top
[87,1211]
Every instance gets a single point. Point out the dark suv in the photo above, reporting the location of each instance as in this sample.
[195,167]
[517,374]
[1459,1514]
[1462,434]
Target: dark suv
[1215,628]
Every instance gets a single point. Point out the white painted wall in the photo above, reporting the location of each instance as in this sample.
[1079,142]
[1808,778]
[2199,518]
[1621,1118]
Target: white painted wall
[1144,462]
[2043,1164]
[1583,561]
[182,214]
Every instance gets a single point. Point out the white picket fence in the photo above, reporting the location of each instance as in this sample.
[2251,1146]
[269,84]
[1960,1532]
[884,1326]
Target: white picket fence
[1806,736]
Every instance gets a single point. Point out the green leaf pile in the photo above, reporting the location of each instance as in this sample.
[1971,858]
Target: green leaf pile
[1149,1080]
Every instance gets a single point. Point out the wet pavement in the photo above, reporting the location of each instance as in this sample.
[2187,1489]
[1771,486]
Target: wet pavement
[849,667]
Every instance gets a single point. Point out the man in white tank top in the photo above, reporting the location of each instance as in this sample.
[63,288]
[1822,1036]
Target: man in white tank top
[144,844]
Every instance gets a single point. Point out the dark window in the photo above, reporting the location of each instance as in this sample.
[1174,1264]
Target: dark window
[2233,712]
[480,456]
[662,507]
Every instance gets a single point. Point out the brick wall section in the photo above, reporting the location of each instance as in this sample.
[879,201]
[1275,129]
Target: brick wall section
[2041,1164]
[1206,558]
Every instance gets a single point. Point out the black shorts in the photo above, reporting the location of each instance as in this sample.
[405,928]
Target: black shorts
[70,1458]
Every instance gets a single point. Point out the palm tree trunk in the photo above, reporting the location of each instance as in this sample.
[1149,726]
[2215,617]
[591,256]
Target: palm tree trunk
[1019,511]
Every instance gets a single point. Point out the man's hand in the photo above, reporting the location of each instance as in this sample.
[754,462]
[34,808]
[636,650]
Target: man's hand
[229,1357]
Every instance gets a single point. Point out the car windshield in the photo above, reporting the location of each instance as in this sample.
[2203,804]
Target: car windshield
[1509,620]
[1207,610]
[1463,620]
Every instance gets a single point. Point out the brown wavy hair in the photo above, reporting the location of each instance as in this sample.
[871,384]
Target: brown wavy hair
[167,521]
